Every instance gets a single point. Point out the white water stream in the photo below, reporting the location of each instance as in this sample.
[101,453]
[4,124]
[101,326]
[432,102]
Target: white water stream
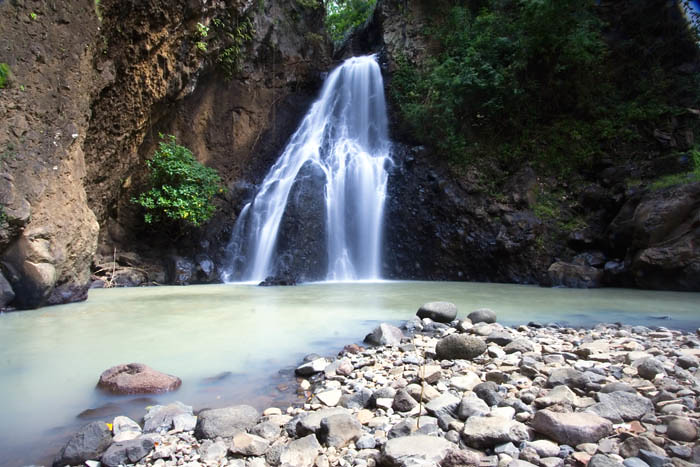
[343,136]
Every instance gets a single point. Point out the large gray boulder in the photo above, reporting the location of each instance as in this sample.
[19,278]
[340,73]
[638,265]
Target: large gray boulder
[87,444]
[459,346]
[571,428]
[487,432]
[442,312]
[415,450]
[161,418]
[137,378]
[225,422]
[127,452]
[384,334]
[577,276]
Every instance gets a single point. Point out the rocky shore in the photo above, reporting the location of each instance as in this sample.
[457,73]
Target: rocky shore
[443,391]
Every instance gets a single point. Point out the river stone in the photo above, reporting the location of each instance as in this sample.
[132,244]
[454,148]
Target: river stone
[339,430]
[460,458]
[558,395]
[459,346]
[482,315]
[330,398]
[245,444]
[445,404]
[127,452]
[521,345]
[311,422]
[442,312]
[682,429]
[357,400]
[601,460]
[544,447]
[384,334]
[225,422]
[568,377]
[465,382]
[213,452]
[502,338]
[403,401]
[622,406]
[486,432]
[415,450]
[571,428]
[634,462]
[125,429]
[137,378]
[87,444]
[312,367]
[617,386]
[632,445]
[488,392]
[301,452]
[649,367]
[471,406]
[160,418]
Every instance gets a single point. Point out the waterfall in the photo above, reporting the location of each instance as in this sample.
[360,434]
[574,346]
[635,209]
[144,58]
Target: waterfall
[320,207]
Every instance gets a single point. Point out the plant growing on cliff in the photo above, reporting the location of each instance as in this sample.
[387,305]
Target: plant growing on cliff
[181,189]
[344,15]
[4,74]
[235,33]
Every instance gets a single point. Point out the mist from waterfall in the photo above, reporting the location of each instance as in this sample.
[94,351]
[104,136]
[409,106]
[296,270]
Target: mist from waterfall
[344,139]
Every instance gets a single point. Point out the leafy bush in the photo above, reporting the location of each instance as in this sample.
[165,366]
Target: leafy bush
[234,32]
[181,189]
[344,15]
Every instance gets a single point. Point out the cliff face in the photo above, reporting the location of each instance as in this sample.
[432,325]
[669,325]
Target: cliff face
[91,87]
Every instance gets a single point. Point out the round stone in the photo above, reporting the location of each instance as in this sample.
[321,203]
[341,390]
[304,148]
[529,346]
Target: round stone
[459,346]
[482,315]
[137,378]
[682,429]
[442,312]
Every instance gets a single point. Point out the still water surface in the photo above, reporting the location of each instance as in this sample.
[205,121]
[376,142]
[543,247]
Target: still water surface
[228,342]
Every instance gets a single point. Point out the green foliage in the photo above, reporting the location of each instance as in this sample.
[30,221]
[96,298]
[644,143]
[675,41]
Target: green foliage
[234,33]
[98,10]
[534,80]
[33,16]
[312,4]
[681,178]
[344,15]
[203,32]
[181,189]
[4,74]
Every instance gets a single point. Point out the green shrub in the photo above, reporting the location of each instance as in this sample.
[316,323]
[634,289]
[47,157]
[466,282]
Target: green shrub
[181,189]
[344,15]
[234,33]
[4,74]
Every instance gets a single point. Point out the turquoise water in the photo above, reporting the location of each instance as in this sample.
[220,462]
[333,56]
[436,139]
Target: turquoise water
[228,342]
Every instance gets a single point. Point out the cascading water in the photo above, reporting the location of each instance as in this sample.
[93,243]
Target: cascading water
[337,155]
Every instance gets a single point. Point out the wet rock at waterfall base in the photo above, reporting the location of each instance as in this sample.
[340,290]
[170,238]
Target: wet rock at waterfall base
[137,378]
[279,280]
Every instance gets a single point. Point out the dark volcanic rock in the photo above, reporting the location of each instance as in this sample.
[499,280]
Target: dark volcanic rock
[87,444]
[135,378]
[384,334]
[225,422]
[459,346]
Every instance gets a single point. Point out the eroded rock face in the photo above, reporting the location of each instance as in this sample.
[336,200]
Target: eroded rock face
[137,378]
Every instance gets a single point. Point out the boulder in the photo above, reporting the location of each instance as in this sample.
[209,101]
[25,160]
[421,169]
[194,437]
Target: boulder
[161,419]
[339,430]
[487,432]
[649,367]
[301,452]
[414,450]
[137,378]
[225,422]
[621,406]
[316,365]
[180,270]
[459,346]
[87,444]
[571,428]
[472,406]
[682,429]
[311,422]
[568,377]
[442,312]
[575,276]
[482,315]
[244,444]
[384,334]
[6,292]
[445,404]
[127,452]
[521,345]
